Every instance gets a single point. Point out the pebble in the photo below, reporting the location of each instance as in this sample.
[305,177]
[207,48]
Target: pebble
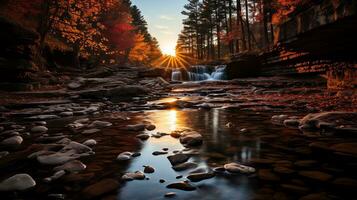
[44,117]
[136,154]
[179,176]
[238,168]
[17,182]
[124,156]
[181,186]
[156,153]
[162,181]
[137,127]
[191,138]
[12,141]
[170,194]
[178,159]
[149,169]
[143,136]
[243,130]
[150,127]
[90,142]
[138,175]
[55,176]
[39,129]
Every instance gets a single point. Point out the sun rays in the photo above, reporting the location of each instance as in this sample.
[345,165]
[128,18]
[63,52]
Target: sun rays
[179,60]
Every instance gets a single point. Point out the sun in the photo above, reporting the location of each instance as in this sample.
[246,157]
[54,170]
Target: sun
[168,50]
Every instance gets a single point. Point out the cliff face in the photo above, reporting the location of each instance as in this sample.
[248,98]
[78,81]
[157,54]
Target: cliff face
[17,55]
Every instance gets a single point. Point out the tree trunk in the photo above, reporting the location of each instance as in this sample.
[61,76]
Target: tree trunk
[231,45]
[248,27]
[76,54]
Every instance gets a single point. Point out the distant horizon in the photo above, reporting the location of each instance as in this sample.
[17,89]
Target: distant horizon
[164,24]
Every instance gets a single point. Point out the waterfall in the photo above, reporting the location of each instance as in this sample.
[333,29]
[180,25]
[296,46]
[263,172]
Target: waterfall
[200,73]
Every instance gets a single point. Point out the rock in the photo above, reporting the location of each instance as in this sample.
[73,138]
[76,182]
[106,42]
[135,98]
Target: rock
[137,127]
[191,138]
[143,136]
[3,154]
[176,134]
[181,186]
[165,149]
[170,194]
[267,175]
[138,175]
[39,129]
[162,181]
[150,127]
[12,141]
[91,131]
[100,124]
[56,158]
[345,183]
[316,175]
[124,156]
[56,196]
[157,153]
[44,117]
[238,168]
[243,130]
[136,154]
[196,177]
[219,170]
[98,189]
[72,166]
[178,158]
[184,166]
[17,182]
[312,121]
[179,176]
[148,169]
[350,148]
[292,123]
[76,147]
[55,176]
[90,142]
[66,114]
[74,85]
[2,128]
[279,119]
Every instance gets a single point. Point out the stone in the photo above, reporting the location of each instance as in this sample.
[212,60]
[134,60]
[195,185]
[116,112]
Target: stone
[267,175]
[179,176]
[143,136]
[138,175]
[337,118]
[219,170]
[345,183]
[157,153]
[91,131]
[170,194]
[44,117]
[66,114]
[90,142]
[39,129]
[56,158]
[149,170]
[76,147]
[71,166]
[55,176]
[150,127]
[162,181]
[196,177]
[191,138]
[178,158]
[184,166]
[238,168]
[124,156]
[12,141]
[316,175]
[243,130]
[181,186]
[294,123]
[136,154]
[279,119]
[350,148]
[3,154]
[17,182]
[100,124]
[98,189]
[74,85]
[136,127]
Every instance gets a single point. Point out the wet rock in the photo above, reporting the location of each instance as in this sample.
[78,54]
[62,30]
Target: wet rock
[238,168]
[72,166]
[279,119]
[90,142]
[12,141]
[2,128]
[178,159]
[196,177]
[136,154]
[181,186]
[56,196]
[17,182]
[162,181]
[312,121]
[191,138]
[39,129]
[76,147]
[165,149]
[267,175]
[150,127]
[56,158]
[74,85]
[66,114]
[55,176]
[138,175]
[100,124]
[159,135]
[179,177]
[143,136]
[3,154]
[44,117]
[98,189]
[184,166]
[91,131]
[219,170]
[170,194]
[292,123]
[124,156]
[316,175]
[350,148]
[157,153]
[175,134]
[149,169]
[136,127]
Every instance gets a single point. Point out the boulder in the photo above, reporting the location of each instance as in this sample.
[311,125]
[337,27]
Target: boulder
[12,141]
[191,138]
[17,182]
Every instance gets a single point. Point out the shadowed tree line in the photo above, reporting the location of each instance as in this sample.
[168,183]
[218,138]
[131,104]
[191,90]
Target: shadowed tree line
[215,29]
[103,31]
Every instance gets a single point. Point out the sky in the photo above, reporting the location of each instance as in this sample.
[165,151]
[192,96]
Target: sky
[164,20]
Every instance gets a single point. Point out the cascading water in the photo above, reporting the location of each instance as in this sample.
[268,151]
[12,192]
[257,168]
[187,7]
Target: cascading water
[200,73]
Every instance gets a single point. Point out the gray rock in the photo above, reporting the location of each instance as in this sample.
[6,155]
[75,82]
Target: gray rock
[124,156]
[138,175]
[44,117]
[196,177]
[170,194]
[12,141]
[17,182]
[178,158]
[90,142]
[91,131]
[66,114]
[72,166]
[74,85]
[181,186]
[55,176]
[39,129]
[238,168]
[100,124]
